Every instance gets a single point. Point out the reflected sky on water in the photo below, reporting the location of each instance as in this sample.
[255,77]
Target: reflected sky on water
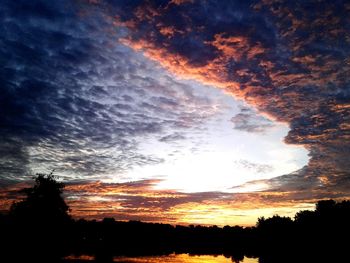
[182,258]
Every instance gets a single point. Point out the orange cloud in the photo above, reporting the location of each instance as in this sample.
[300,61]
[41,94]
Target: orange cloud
[211,74]
[139,201]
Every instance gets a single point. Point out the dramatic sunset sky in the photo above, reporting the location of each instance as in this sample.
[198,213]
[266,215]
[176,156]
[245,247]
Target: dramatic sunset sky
[182,111]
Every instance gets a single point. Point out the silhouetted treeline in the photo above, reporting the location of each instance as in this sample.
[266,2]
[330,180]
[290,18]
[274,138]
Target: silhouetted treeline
[39,227]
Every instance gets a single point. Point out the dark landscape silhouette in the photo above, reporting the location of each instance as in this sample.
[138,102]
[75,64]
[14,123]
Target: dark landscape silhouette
[40,228]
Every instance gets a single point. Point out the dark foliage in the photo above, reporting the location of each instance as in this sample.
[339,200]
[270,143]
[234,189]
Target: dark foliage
[43,202]
[39,227]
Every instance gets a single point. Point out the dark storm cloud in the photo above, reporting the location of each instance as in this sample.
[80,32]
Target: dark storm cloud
[288,58]
[72,98]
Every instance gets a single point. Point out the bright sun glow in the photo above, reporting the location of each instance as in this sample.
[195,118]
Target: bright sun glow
[222,158]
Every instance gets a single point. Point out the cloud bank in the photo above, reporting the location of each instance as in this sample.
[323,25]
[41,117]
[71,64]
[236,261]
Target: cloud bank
[288,59]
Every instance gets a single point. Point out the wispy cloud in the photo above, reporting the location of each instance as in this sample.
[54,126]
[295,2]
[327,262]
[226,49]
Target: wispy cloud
[250,121]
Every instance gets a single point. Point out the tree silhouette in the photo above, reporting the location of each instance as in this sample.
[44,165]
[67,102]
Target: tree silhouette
[41,220]
[43,202]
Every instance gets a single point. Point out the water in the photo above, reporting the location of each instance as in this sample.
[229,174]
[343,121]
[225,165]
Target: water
[173,258]
[182,258]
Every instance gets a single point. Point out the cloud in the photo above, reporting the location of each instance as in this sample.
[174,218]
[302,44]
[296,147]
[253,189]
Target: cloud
[249,121]
[172,138]
[287,60]
[256,167]
[130,200]
[72,96]
[68,102]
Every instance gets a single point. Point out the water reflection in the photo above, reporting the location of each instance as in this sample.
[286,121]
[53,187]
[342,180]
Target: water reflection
[183,258]
[172,258]
[80,258]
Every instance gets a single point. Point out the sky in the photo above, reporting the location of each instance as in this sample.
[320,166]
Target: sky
[181,111]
